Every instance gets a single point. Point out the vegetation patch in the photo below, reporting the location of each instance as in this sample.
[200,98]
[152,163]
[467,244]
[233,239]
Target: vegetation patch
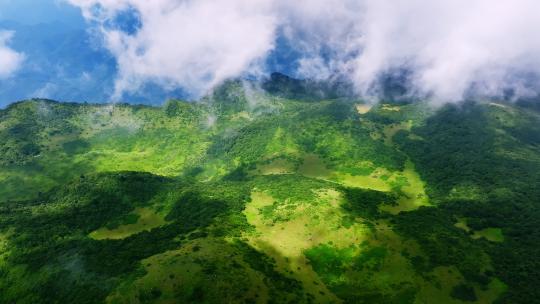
[313,166]
[203,271]
[142,219]
[275,166]
[490,234]
[251,196]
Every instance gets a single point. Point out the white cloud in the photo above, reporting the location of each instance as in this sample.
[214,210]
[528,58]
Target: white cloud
[10,60]
[450,45]
[193,44]
[317,26]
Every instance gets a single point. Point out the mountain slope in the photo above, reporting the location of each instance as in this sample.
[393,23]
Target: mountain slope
[250,197]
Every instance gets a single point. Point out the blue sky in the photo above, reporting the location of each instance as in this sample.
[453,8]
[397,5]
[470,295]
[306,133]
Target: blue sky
[145,51]
[58,62]
[63,59]
[40,11]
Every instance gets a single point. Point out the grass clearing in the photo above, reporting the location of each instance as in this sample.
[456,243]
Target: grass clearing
[380,265]
[495,289]
[313,166]
[311,224]
[350,263]
[439,285]
[441,281]
[390,130]
[413,192]
[462,224]
[147,220]
[372,181]
[203,270]
[363,108]
[491,234]
[388,107]
[276,166]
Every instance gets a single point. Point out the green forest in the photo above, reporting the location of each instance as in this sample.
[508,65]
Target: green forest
[271,194]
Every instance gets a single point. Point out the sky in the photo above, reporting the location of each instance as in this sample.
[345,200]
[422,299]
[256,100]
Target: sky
[148,51]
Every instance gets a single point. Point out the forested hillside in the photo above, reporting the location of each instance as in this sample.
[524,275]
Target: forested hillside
[290,193]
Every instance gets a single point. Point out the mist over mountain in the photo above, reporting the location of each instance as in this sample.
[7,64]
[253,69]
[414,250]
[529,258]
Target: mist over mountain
[127,51]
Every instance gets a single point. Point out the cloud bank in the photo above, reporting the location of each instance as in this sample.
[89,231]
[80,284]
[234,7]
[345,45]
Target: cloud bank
[452,45]
[10,60]
[193,44]
[449,48]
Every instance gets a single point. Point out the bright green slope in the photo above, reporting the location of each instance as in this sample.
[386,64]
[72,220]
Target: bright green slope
[252,197]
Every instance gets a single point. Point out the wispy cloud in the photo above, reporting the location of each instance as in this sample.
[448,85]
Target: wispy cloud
[193,44]
[449,47]
[10,60]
